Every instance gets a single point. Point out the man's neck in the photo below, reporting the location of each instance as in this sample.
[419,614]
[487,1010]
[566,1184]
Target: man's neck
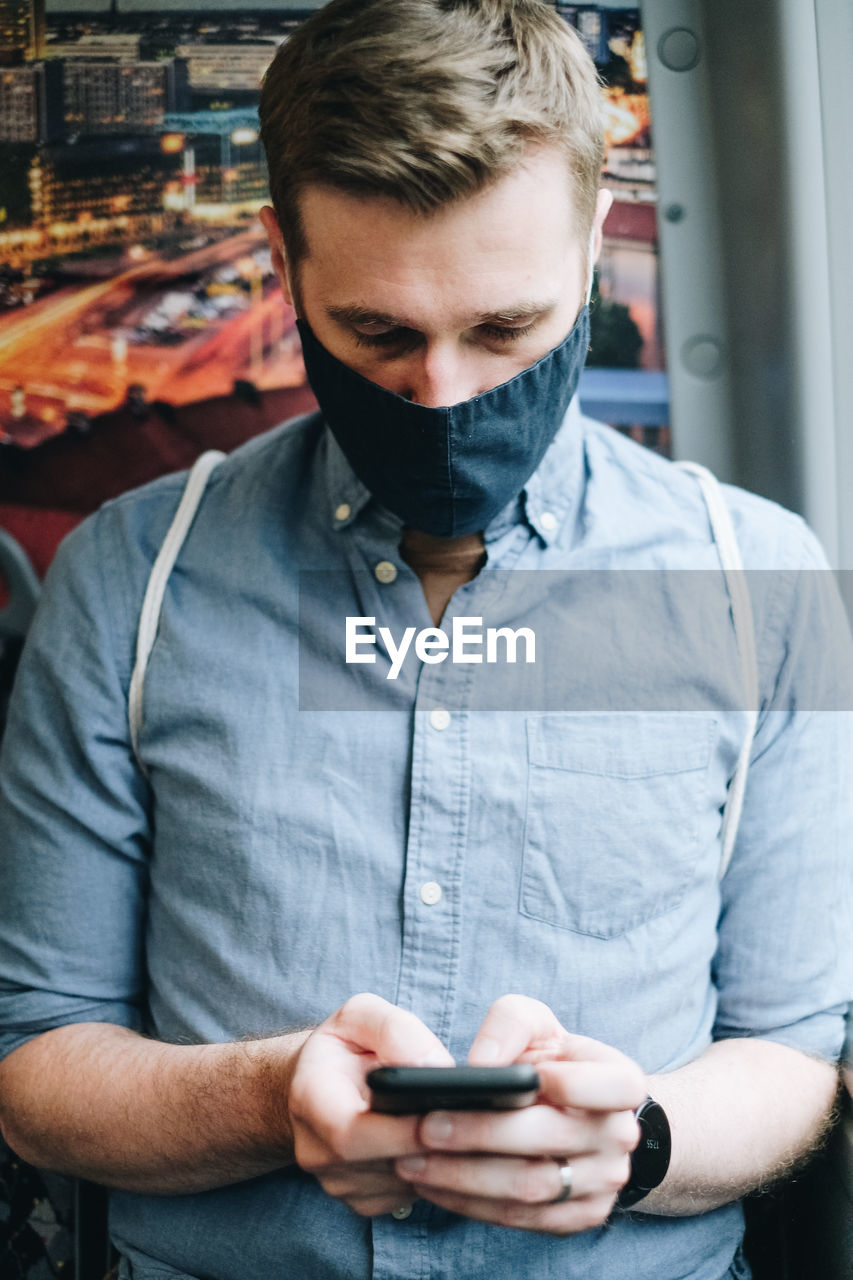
[442,564]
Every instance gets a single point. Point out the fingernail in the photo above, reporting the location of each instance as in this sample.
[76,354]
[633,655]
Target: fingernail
[437,1058]
[411,1165]
[437,1127]
[485,1050]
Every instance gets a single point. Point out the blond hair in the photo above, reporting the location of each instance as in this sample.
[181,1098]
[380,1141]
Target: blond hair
[427,101]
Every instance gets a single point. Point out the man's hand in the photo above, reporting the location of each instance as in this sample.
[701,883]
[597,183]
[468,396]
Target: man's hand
[350,1149]
[502,1167]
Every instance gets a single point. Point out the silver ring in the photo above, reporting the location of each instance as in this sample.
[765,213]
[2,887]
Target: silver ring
[565,1171]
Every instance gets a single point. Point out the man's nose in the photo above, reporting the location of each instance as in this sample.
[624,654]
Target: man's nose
[441,375]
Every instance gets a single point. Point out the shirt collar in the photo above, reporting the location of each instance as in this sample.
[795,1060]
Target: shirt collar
[554,489]
[347,495]
[551,493]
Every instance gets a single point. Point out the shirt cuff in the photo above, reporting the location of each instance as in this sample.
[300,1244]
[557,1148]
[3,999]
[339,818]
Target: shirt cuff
[820,1036]
[26,1014]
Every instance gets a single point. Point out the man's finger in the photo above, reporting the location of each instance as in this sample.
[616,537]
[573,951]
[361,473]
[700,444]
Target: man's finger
[523,1179]
[533,1131]
[330,1104]
[574,1048]
[513,1026]
[556,1219]
[333,1135]
[371,1206]
[344,1181]
[396,1036]
[593,1086]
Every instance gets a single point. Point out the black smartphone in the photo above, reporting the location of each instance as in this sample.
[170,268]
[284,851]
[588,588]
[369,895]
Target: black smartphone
[408,1090]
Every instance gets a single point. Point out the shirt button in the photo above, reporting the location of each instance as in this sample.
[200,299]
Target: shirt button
[430,893]
[385,571]
[401,1214]
[548,521]
[439,718]
[343,511]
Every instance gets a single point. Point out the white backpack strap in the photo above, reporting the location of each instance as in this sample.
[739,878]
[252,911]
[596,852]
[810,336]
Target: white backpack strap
[744,628]
[149,618]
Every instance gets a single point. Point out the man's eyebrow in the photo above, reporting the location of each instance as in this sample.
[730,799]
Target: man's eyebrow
[364,315]
[519,312]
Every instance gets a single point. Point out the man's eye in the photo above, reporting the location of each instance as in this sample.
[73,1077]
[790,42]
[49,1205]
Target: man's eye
[390,338]
[405,338]
[504,334]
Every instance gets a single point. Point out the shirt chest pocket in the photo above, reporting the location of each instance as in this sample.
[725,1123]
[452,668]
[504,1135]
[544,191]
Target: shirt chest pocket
[614,809]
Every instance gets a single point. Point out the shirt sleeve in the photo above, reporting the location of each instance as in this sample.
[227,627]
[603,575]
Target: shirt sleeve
[784,964]
[73,809]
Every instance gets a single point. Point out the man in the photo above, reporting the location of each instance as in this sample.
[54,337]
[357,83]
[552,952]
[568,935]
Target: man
[297,829]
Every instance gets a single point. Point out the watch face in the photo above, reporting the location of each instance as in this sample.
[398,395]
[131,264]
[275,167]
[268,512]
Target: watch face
[650,1160]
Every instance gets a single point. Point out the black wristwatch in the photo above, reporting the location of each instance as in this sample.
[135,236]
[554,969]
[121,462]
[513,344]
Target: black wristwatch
[650,1158]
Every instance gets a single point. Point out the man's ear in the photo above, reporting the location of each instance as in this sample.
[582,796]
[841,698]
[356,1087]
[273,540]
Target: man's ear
[277,251]
[602,208]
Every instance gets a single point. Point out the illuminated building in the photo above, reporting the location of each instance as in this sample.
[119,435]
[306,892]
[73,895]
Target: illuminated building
[224,67]
[22,31]
[98,48]
[59,199]
[112,97]
[222,153]
[101,181]
[243,181]
[31,102]
[16,208]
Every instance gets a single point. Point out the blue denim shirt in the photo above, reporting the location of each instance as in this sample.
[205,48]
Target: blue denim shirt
[274,861]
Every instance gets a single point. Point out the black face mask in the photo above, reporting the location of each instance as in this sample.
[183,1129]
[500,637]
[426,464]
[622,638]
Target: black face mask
[447,471]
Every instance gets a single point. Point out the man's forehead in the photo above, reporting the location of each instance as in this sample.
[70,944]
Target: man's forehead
[528,211]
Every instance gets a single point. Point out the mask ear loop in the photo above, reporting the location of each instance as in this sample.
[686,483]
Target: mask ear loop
[591,261]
